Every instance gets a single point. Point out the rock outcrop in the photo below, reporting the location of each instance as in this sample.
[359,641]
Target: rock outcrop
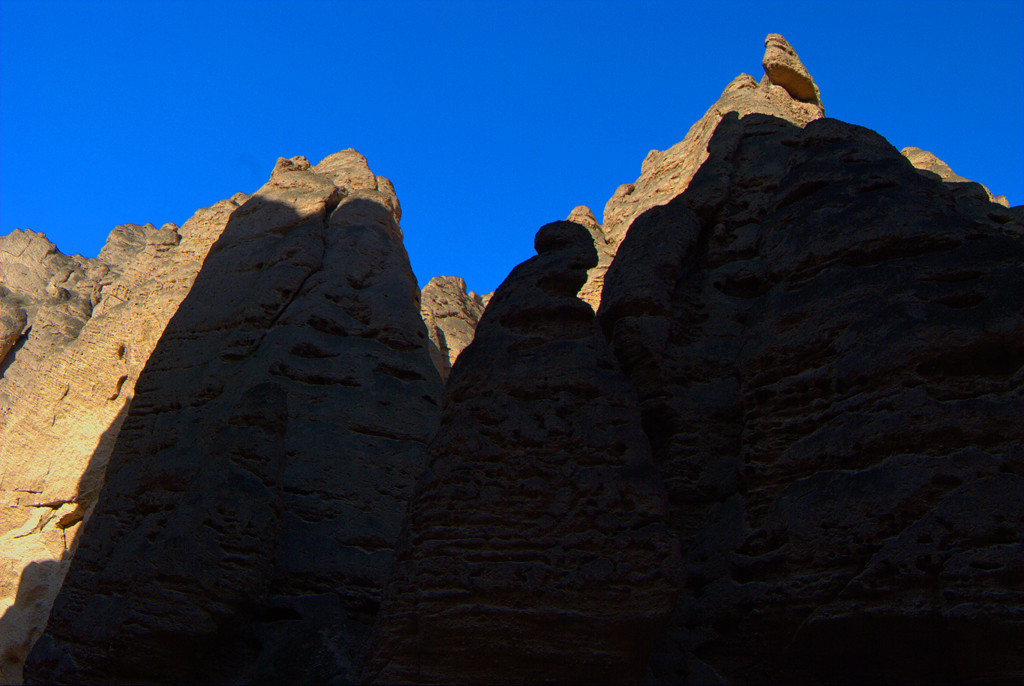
[786,91]
[930,164]
[786,448]
[829,355]
[535,548]
[451,315]
[256,487]
[87,328]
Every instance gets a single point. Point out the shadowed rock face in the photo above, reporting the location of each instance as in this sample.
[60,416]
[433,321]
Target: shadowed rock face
[828,351]
[535,548]
[83,331]
[257,486]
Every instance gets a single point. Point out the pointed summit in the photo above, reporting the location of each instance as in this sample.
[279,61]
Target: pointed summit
[786,92]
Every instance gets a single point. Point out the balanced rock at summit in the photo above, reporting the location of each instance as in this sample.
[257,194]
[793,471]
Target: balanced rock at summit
[255,491]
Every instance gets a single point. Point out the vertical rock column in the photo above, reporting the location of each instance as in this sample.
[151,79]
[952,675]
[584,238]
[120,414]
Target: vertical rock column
[255,492]
[535,548]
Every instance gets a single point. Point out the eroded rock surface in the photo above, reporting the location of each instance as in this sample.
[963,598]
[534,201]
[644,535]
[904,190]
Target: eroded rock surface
[451,315]
[87,328]
[535,548]
[787,449]
[256,488]
[828,351]
[786,91]
[929,163]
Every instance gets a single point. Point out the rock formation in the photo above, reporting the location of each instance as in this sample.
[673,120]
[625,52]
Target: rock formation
[256,488]
[83,330]
[451,315]
[535,548]
[787,447]
[786,91]
[930,164]
[829,361]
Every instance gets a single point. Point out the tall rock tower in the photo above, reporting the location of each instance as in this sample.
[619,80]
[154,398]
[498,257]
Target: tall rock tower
[255,491]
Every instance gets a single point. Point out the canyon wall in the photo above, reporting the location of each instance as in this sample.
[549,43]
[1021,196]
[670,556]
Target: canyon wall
[762,424]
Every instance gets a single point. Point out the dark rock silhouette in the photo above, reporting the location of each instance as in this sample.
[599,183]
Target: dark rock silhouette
[828,351]
[535,548]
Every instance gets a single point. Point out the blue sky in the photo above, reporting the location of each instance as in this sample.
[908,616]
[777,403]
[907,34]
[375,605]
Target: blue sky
[491,118]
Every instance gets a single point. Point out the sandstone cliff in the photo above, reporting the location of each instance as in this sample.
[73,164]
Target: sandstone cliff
[256,487]
[829,363]
[84,329]
[787,448]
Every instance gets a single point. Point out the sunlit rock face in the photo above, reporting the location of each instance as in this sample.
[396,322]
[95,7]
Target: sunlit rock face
[74,335]
[786,91]
[256,488]
[451,315]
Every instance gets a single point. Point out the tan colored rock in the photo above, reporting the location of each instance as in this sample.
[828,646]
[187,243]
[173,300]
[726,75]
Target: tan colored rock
[451,315]
[666,174]
[930,164]
[65,390]
[255,491]
[784,68]
[591,291]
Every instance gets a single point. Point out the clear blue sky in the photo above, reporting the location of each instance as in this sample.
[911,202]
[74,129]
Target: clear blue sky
[492,118]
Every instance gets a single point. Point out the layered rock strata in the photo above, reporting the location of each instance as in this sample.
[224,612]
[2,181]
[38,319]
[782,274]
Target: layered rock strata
[788,449]
[535,548]
[451,315]
[829,354]
[256,488]
[84,329]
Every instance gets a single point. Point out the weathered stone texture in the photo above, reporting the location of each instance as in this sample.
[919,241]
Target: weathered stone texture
[257,485]
[782,92]
[828,350]
[90,326]
[535,548]
[787,449]
[451,315]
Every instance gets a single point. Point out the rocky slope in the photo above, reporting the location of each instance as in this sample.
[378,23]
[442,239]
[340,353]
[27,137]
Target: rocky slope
[787,447]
